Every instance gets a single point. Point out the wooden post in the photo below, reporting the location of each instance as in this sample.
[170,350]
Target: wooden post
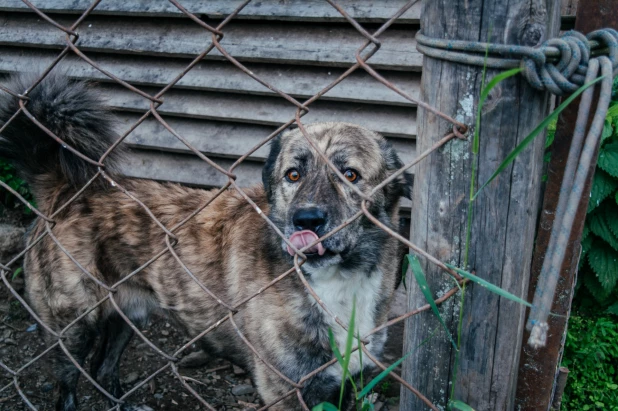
[504,217]
[539,368]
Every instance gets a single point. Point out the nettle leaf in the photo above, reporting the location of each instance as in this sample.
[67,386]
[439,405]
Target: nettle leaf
[586,243]
[612,111]
[593,285]
[599,226]
[585,232]
[602,186]
[607,130]
[611,217]
[604,262]
[608,159]
[613,309]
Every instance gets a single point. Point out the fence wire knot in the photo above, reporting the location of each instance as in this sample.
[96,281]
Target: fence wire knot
[568,73]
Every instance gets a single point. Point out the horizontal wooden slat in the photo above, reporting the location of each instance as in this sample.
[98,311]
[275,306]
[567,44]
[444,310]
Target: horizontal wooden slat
[296,10]
[191,170]
[214,138]
[391,121]
[187,169]
[221,76]
[255,42]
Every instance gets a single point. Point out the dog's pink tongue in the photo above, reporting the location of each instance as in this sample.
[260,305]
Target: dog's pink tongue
[302,239]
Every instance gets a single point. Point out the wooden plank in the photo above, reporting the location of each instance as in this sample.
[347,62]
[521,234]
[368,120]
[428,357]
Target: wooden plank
[390,121]
[187,169]
[221,139]
[290,10]
[568,10]
[300,82]
[287,43]
[504,216]
[537,368]
[191,170]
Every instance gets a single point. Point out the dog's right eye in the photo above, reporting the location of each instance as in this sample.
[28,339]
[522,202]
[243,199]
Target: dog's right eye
[292,175]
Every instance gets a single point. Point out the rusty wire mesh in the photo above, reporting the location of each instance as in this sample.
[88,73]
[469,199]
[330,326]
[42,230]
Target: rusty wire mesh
[363,54]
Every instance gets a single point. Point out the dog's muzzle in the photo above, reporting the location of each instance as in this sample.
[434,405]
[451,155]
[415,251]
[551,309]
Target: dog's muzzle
[308,222]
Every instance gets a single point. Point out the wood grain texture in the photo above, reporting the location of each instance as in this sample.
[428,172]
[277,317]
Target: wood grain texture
[191,170]
[216,138]
[289,43]
[390,121]
[290,10]
[504,217]
[298,81]
[538,369]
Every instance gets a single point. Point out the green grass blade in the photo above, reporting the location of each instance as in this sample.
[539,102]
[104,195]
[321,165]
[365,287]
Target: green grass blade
[16,273]
[526,141]
[387,371]
[348,350]
[458,405]
[333,346]
[422,282]
[325,406]
[360,357]
[494,81]
[491,287]
[381,376]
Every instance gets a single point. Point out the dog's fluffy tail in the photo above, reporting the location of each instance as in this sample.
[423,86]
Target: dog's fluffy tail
[71,110]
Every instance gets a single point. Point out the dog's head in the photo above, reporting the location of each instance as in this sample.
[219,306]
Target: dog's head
[308,200]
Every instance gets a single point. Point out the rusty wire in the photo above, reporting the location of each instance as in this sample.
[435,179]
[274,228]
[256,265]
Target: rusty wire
[362,56]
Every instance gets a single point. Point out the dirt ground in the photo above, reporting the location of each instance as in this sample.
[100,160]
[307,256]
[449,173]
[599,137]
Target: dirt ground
[224,386]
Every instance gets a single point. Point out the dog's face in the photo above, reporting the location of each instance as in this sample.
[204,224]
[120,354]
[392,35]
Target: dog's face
[307,199]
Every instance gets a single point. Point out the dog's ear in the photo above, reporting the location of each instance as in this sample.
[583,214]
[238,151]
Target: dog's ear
[402,185]
[269,167]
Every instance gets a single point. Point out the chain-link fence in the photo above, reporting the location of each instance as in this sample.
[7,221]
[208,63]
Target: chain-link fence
[363,55]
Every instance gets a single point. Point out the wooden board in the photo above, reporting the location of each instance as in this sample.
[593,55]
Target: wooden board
[504,215]
[391,121]
[293,10]
[220,139]
[191,170]
[569,9]
[256,42]
[221,76]
[187,169]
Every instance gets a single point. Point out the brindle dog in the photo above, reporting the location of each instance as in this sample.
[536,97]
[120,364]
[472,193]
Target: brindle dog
[228,246]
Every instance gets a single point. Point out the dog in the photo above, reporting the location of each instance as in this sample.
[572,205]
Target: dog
[228,246]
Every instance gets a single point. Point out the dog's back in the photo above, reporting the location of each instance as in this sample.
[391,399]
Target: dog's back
[106,252]
[101,237]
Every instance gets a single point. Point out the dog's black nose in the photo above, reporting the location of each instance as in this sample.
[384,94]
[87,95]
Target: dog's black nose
[309,219]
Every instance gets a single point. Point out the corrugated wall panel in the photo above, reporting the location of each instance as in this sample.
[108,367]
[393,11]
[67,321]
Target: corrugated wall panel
[216,107]
[290,10]
[280,43]
[303,47]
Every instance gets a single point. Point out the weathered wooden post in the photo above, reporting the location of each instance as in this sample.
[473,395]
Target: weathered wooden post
[504,217]
[538,369]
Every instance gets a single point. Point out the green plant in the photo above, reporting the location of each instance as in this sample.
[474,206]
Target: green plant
[361,397]
[9,176]
[597,287]
[591,355]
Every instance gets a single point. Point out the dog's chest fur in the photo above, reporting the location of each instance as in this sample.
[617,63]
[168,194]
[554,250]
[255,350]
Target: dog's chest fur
[337,289]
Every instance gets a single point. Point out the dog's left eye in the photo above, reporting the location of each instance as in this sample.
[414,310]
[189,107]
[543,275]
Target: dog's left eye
[351,175]
[292,175]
